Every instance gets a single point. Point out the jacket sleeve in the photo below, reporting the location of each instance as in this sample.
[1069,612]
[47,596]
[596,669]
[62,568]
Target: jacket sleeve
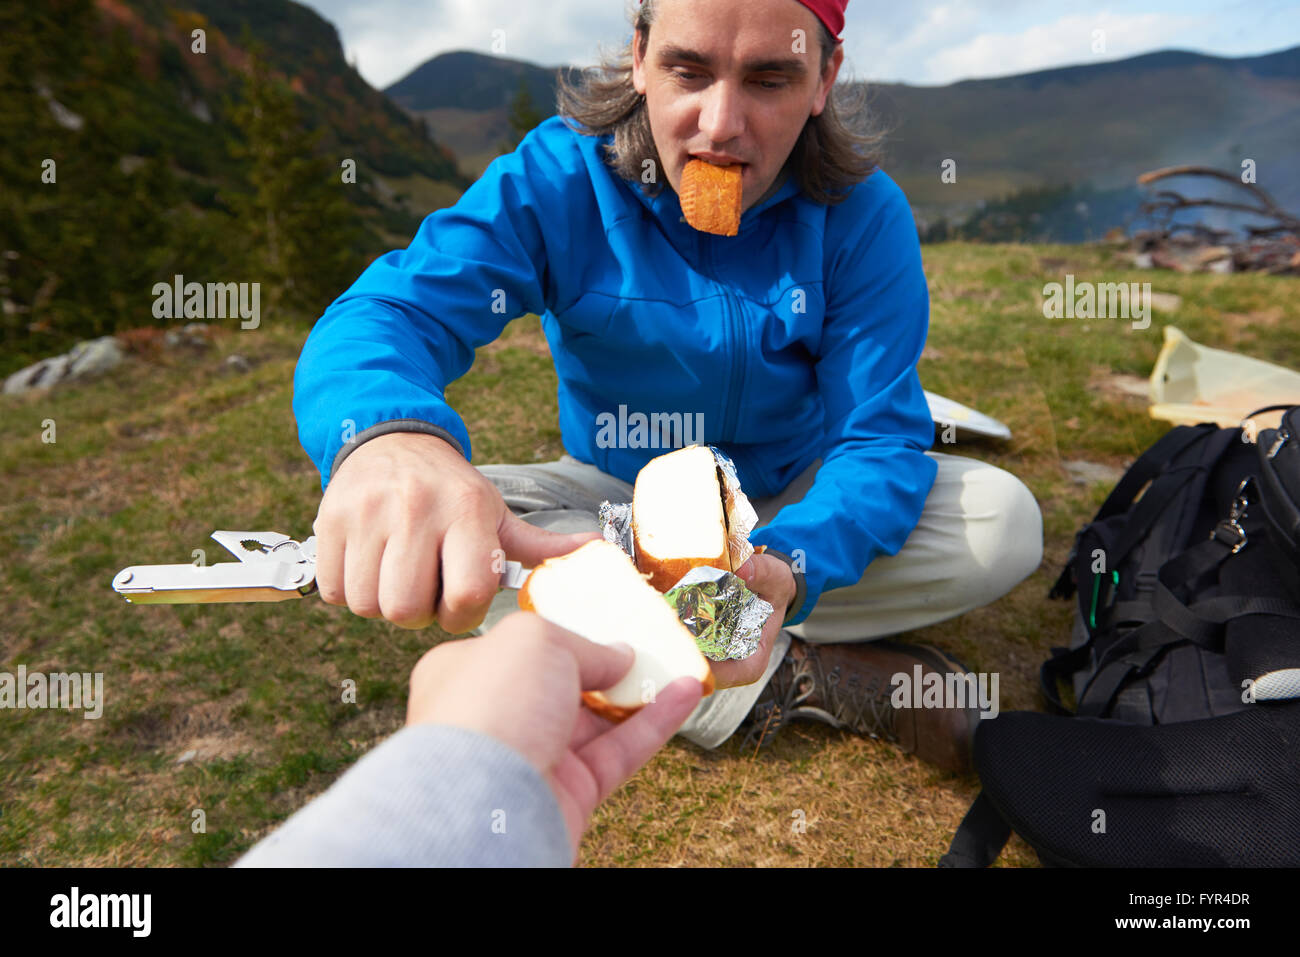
[429,796]
[381,357]
[872,485]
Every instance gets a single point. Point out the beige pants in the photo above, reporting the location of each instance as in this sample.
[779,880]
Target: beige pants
[980,534]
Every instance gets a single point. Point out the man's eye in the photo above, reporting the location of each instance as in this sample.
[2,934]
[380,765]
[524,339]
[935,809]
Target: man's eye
[772,84]
[686,75]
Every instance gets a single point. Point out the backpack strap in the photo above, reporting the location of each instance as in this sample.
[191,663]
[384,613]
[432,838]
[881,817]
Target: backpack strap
[1163,489]
[1172,621]
[1166,483]
[980,837]
[1132,656]
[1202,622]
[1060,667]
[1148,465]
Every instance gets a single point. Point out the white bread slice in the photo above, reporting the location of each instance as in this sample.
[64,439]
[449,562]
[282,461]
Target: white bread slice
[678,519]
[597,593]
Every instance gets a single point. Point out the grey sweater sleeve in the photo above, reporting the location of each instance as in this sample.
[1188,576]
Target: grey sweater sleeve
[429,796]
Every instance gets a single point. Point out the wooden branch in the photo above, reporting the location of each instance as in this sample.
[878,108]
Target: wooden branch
[1271,208]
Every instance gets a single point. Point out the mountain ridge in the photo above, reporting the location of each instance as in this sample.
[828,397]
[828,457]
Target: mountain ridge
[1094,126]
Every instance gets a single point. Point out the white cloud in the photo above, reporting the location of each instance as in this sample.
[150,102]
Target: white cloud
[389,38]
[913,41]
[1067,41]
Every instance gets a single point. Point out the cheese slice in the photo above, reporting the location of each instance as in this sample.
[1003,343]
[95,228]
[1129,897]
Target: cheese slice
[597,592]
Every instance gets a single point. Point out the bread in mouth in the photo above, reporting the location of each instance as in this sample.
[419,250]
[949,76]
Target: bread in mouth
[711,197]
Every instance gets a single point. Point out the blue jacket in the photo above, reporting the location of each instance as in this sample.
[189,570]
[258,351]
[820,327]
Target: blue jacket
[795,340]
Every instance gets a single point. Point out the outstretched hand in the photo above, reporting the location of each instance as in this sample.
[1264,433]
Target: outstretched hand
[521,683]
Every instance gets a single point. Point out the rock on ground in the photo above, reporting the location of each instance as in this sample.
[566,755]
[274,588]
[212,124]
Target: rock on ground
[86,359]
[1088,473]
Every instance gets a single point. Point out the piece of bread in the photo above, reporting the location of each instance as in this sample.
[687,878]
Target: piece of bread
[597,593]
[711,197]
[678,517]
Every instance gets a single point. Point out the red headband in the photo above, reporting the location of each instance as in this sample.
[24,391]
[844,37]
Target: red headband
[829,12]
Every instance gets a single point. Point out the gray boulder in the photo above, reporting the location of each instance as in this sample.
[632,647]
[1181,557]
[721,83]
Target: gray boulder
[94,357]
[43,374]
[86,359]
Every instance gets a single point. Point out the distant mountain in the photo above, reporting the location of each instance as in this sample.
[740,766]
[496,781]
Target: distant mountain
[1095,127]
[465,97]
[471,81]
[1101,124]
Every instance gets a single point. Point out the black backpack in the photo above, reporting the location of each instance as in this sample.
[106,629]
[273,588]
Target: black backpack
[1184,747]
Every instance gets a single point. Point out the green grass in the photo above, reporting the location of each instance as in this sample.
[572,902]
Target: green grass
[151,459]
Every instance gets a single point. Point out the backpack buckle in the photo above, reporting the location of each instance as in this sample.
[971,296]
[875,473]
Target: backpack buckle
[1240,501]
[1230,533]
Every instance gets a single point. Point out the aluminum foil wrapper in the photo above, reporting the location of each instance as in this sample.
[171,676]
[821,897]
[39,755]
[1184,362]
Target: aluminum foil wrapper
[616,525]
[741,517]
[725,617]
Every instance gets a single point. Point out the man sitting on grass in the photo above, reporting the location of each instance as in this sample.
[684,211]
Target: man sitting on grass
[795,342]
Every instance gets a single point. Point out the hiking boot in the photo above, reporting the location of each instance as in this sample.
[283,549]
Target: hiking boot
[849,686]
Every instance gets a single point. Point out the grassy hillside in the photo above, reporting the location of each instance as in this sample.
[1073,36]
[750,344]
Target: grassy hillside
[236,709]
[210,138]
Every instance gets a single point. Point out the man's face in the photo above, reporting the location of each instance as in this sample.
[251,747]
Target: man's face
[732,81]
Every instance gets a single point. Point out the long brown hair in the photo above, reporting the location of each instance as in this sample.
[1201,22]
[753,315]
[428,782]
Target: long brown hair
[831,155]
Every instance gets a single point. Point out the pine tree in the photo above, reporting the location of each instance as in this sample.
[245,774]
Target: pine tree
[524,115]
[87,227]
[300,228]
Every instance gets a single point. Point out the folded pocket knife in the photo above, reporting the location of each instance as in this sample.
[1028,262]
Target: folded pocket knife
[271,567]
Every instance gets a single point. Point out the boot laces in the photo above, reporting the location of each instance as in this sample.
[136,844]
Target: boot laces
[848,705]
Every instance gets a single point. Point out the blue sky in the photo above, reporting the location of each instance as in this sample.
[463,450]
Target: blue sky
[912,41]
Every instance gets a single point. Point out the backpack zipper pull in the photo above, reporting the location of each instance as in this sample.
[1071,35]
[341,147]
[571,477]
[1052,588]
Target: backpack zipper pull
[1283,437]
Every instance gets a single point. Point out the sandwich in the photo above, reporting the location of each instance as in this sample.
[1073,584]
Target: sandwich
[597,592]
[685,515]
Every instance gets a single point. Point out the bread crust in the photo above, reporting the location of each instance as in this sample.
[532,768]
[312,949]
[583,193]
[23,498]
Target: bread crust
[666,572]
[597,702]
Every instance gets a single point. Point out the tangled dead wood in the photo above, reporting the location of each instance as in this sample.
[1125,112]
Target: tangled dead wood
[1271,246]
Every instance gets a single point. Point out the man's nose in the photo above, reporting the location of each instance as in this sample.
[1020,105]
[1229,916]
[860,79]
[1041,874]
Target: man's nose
[722,115]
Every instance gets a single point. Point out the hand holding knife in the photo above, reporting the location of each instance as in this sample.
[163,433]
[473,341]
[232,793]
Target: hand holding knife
[271,567]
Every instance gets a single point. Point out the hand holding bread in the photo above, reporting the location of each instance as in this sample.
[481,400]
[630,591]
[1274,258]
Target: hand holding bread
[520,683]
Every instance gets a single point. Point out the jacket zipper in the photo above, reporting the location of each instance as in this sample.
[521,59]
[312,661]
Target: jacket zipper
[731,337]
